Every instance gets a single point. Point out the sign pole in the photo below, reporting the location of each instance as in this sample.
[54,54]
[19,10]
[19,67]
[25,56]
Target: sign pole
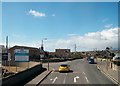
[16,67]
[5,66]
[9,59]
[28,64]
[9,66]
[48,64]
[6,51]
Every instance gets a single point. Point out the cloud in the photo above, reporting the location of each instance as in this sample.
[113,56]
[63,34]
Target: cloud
[108,26]
[36,13]
[72,34]
[105,19]
[88,41]
[53,15]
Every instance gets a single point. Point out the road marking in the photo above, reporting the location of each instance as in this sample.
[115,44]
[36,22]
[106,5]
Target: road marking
[64,79]
[54,79]
[84,73]
[75,79]
[87,79]
[51,79]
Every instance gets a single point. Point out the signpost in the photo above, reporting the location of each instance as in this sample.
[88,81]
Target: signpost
[9,59]
[0,65]
[21,55]
[4,56]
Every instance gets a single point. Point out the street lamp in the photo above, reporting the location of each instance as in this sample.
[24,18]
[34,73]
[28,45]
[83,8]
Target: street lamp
[43,52]
[42,48]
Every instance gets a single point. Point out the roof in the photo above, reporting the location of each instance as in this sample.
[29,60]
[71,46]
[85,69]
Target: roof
[22,47]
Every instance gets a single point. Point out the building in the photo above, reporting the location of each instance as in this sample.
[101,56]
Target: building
[34,53]
[61,53]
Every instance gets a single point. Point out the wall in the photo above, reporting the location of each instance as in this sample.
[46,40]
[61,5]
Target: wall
[16,79]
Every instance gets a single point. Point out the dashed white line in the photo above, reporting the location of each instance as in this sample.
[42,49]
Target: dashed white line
[64,79]
[54,79]
[51,79]
[87,79]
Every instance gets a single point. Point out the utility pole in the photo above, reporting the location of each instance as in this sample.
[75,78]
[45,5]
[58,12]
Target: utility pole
[75,50]
[42,55]
[6,51]
[6,44]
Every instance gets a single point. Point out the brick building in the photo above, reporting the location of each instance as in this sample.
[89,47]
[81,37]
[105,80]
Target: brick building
[34,53]
[61,53]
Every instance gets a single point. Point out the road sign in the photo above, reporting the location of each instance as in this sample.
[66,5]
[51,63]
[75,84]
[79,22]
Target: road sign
[21,55]
[4,56]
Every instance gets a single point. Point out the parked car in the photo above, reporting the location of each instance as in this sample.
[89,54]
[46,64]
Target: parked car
[117,57]
[64,68]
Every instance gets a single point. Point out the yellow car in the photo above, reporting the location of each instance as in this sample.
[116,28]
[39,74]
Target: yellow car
[64,68]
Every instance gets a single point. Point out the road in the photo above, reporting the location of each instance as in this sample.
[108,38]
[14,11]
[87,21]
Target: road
[83,73]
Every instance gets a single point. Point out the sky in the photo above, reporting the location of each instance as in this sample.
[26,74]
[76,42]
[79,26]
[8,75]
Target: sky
[89,25]
[0,22]
[60,0]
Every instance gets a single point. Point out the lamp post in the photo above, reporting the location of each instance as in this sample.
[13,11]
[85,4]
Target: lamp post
[42,50]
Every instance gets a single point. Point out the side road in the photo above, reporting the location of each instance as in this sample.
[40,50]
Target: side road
[104,67]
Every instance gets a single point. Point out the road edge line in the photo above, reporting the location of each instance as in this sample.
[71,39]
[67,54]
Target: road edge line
[108,75]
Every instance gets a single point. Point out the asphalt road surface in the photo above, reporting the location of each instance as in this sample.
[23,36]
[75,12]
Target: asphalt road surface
[82,73]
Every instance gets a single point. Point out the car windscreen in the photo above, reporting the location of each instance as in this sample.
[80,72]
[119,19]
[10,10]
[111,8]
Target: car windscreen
[64,65]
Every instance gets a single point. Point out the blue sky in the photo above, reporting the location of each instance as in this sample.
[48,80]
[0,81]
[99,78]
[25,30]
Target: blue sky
[31,22]
[60,0]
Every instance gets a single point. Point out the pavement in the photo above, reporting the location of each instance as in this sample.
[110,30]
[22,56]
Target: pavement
[38,79]
[109,72]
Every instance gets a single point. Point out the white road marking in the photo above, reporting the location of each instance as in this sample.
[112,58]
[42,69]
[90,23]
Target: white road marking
[64,79]
[75,79]
[84,73]
[51,79]
[54,79]
[87,79]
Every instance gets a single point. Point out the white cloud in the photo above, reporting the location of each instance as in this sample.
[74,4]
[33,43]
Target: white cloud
[36,13]
[108,26]
[53,15]
[89,41]
[105,19]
